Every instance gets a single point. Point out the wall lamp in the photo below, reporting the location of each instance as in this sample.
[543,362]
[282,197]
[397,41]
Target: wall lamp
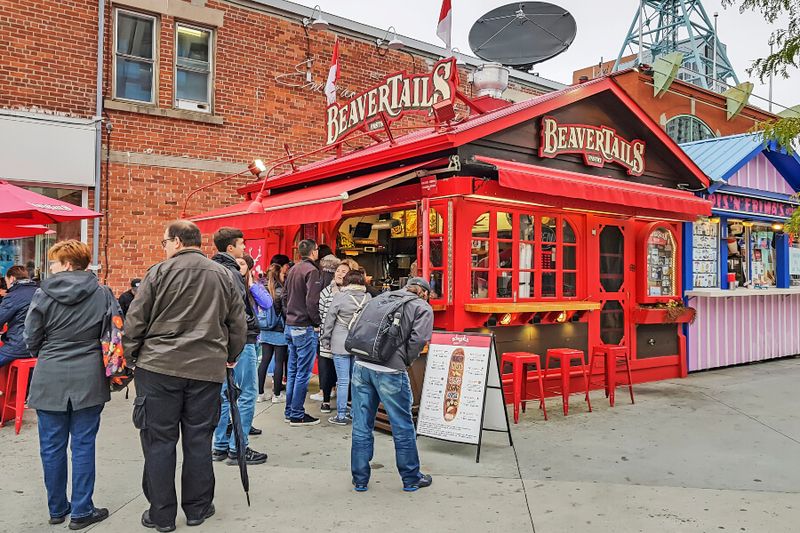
[392,44]
[316,22]
[255,168]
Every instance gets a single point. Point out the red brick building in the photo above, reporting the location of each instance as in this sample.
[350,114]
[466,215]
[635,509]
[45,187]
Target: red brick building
[192,91]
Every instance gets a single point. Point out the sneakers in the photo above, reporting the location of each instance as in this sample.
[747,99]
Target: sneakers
[251,457]
[255,431]
[278,398]
[318,397]
[425,480]
[218,455]
[261,398]
[146,522]
[98,515]
[339,421]
[307,420]
[197,521]
[55,520]
[325,408]
[358,487]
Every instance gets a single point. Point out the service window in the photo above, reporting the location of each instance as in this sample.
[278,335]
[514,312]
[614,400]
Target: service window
[794,262]
[762,255]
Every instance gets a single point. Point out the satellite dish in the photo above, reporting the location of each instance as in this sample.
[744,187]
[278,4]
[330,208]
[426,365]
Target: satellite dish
[522,34]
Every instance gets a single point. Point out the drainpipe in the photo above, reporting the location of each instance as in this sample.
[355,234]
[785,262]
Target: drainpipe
[101,22]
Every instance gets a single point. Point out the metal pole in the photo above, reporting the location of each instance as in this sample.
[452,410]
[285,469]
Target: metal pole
[770,81]
[714,61]
[101,24]
[641,30]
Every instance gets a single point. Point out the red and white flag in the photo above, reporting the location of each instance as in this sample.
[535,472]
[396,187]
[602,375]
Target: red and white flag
[444,29]
[333,74]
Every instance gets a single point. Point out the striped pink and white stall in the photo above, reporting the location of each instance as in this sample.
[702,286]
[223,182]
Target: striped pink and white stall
[746,326]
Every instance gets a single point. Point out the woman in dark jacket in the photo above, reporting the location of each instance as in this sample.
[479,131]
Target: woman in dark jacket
[13,309]
[69,387]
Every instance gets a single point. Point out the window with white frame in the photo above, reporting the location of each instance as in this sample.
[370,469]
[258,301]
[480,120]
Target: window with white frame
[134,57]
[193,55]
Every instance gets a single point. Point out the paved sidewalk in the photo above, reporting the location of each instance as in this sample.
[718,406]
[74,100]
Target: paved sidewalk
[714,452]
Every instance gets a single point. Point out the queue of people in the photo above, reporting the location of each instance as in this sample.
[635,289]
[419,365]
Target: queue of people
[188,319]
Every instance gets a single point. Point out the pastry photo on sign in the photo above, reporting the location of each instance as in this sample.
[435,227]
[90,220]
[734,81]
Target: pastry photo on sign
[455,376]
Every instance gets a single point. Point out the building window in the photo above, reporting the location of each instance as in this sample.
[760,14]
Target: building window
[193,55]
[687,128]
[480,257]
[135,57]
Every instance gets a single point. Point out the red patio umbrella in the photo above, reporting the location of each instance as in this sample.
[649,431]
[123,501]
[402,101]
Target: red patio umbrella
[20,232]
[21,207]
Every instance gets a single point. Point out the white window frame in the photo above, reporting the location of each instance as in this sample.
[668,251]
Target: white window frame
[155,60]
[210,86]
[690,117]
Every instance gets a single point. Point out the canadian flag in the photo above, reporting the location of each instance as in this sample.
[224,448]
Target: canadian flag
[333,74]
[444,29]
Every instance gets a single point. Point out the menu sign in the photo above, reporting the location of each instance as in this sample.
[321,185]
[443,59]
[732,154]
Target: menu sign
[462,394]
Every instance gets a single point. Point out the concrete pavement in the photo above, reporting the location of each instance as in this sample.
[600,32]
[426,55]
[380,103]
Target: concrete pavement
[714,452]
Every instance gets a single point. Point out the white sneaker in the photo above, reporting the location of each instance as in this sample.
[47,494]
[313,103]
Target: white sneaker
[262,398]
[316,397]
[279,399]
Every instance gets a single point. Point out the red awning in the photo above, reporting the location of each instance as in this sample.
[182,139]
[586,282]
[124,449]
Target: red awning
[608,191]
[315,203]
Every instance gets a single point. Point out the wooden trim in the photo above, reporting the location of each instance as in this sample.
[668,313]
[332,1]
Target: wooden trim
[532,307]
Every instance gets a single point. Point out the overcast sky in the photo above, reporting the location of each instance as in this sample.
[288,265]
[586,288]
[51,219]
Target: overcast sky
[602,26]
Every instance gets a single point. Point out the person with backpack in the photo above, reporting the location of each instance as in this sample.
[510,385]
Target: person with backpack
[185,325]
[386,338]
[69,389]
[272,337]
[331,276]
[344,309]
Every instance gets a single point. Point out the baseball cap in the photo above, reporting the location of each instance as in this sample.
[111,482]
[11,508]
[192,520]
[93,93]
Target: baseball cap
[135,282]
[420,282]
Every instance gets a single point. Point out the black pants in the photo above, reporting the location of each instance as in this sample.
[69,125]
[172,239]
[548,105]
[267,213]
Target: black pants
[327,377]
[281,359]
[164,407]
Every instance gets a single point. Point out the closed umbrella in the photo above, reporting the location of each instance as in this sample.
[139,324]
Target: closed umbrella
[233,393]
[20,232]
[21,207]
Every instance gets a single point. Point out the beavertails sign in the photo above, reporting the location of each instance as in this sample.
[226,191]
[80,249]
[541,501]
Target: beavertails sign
[399,93]
[598,145]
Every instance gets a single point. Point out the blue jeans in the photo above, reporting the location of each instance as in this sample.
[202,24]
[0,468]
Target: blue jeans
[344,370]
[79,429]
[302,351]
[393,390]
[245,375]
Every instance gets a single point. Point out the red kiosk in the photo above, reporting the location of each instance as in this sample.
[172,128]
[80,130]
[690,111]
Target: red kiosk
[550,222]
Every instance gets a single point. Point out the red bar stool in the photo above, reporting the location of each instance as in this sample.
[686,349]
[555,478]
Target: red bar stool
[519,372]
[16,391]
[566,356]
[612,355]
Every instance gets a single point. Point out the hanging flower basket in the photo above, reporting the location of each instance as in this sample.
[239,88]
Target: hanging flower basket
[673,312]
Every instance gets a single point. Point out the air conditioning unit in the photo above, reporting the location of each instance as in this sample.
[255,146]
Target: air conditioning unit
[192,105]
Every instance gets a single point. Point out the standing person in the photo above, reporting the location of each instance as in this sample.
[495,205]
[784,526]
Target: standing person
[388,384]
[273,339]
[13,308]
[127,297]
[344,309]
[185,324]
[69,387]
[230,246]
[301,302]
[333,271]
[260,300]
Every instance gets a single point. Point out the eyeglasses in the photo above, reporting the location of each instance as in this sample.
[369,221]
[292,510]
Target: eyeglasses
[164,242]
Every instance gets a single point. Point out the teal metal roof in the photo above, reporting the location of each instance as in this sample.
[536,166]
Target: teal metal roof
[721,157]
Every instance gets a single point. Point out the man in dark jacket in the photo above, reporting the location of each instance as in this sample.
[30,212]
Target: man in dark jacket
[127,297]
[186,323]
[13,309]
[301,305]
[230,246]
[388,384]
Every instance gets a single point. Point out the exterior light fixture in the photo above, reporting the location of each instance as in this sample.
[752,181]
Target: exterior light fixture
[257,167]
[562,317]
[392,44]
[777,226]
[316,22]
[714,220]
[505,319]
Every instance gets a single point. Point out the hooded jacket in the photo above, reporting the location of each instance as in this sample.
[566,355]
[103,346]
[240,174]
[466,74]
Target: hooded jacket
[13,309]
[229,262]
[187,320]
[63,328]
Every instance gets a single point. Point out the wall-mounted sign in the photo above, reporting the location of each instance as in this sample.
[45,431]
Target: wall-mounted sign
[399,93]
[598,145]
[756,206]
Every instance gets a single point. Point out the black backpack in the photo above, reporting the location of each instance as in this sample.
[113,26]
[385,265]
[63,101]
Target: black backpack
[375,336]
